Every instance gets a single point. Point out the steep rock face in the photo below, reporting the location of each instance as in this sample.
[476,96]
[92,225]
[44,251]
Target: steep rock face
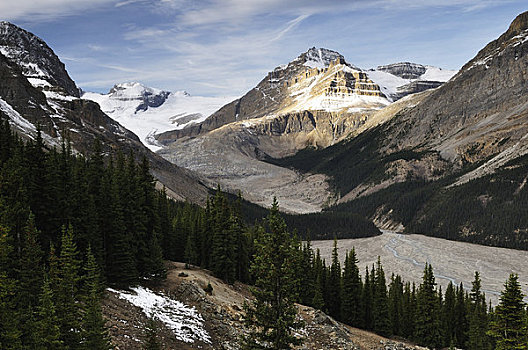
[28,98]
[36,59]
[481,112]
[405,70]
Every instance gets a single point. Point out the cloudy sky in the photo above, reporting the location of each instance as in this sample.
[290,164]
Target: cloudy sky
[224,47]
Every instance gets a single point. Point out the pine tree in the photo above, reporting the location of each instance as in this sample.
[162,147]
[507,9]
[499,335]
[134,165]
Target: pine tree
[381,322]
[334,285]
[477,317]
[9,330]
[427,313]
[461,321]
[396,304]
[30,281]
[352,286]
[367,301]
[48,330]
[448,315]
[65,282]
[94,333]
[509,325]
[271,316]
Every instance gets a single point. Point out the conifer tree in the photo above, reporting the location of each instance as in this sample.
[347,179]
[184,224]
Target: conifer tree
[448,315]
[381,322]
[94,332]
[351,302]
[509,325]
[396,304]
[477,317]
[272,314]
[30,276]
[367,301]
[334,285]
[9,330]
[65,283]
[48,330]
[461,321]
[427,313]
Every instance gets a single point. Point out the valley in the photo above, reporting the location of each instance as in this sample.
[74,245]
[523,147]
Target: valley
[452,261]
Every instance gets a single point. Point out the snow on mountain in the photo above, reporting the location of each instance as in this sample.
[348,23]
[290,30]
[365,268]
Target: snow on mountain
[320,57]
[395,79]
[148,111]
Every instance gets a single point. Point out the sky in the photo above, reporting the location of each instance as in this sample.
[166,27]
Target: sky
[225,47]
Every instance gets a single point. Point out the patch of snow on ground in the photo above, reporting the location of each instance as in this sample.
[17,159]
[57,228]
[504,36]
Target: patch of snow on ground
[186,323]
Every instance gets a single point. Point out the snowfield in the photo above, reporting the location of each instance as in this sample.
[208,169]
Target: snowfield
[178,110]
[186,323]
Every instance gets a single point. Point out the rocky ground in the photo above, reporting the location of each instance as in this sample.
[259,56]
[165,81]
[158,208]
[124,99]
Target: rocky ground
[406,255]
[222,317]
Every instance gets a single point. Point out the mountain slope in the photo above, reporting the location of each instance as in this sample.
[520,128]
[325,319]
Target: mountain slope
[35,89]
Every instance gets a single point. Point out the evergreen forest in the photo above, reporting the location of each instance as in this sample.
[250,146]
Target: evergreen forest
[71,225]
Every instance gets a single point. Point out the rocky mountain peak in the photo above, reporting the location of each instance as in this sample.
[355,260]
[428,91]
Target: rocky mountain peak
[519,24]
[134,91]
[36,59]
[405,70]
[319,57]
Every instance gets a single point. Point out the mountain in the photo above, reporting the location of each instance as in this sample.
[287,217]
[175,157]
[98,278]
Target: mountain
[316,100]
[35,89]
[451,165]
[398,80]
[149,111]
[318,80]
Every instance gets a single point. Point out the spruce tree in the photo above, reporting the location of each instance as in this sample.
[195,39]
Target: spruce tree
[30,277]
[94,333]
[65,283]
[9,327]
[381,322]
[352,286]
[396,304]
[48,330]
[427,313]
[271,316]
[509,325]
[334,285]
[477,317]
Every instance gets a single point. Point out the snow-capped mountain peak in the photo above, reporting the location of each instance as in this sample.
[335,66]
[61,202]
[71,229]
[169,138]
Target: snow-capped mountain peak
[320,57]
[148,111]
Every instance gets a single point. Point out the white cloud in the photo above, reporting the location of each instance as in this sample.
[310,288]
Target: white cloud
[46,10]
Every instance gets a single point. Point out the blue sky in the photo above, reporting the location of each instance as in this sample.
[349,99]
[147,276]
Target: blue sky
[225,47]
